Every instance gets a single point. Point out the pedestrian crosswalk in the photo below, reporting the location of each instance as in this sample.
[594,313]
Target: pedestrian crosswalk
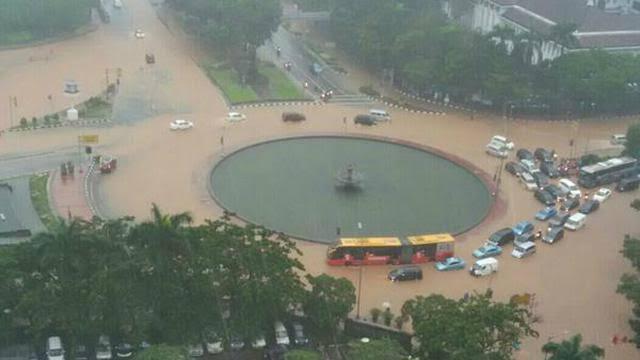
[351,99]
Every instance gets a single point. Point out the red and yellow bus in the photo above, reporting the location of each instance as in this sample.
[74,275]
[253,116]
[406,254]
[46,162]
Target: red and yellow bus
[390,250]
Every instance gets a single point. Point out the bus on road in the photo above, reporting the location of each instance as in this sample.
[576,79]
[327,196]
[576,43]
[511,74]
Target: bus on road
[607,172]
[390,250]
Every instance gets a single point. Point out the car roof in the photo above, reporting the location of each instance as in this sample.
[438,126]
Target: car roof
[578,216]
[526,244]
[485,261]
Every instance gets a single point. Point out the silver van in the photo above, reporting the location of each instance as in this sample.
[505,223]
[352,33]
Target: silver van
[524,249]
[55,351]
[380,115]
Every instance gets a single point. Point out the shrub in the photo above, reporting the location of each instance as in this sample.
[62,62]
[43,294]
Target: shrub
[387,317]
[369,90]
[23,122]
[375,314]
[34,121]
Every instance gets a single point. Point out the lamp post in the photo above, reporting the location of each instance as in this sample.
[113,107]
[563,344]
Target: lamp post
[359,282]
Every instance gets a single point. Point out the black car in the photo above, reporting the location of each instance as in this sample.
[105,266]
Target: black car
[124,351]
[82,352]
[405,273]
[541,179]
[502,237]
[628,184]
[553,234]
[364,120]
[589,206]
[523,154]
[275,353]
[550,169]
[298,334]
[528,237]
[513,168]
[543,155]
[559,219]
[150,59]
[571,203]
[555,190]
[545,197]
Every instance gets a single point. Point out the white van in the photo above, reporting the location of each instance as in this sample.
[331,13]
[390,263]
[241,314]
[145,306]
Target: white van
[575,221]
[380,115]
[484,267]
[618,139]
[523,249]
[503,140]
[567,186]
[529,181]
[497,149]
[282,338]
[55,351]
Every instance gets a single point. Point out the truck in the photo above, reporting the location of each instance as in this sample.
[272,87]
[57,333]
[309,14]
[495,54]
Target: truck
[484,267]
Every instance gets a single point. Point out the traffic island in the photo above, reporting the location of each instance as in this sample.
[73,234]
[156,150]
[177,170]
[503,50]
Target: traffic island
[18,217]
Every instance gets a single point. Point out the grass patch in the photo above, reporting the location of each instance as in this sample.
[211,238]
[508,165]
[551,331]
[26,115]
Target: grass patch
[280,86]
[40,200]
[229,82]
[17,37]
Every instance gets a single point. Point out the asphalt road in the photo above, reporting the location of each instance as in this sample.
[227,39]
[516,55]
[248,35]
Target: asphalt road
[29,163]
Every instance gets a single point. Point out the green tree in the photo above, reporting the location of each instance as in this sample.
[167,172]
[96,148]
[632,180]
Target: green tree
[563,35]
[329,302]
[477,328]
[629,284]
[572,349]
[377,349]
[632,147]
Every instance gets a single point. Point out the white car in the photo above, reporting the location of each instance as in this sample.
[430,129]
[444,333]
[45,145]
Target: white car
[195,350]
[601,195]
[103,349]
[139,34]
[214,344]
[503,140]
[236,116]
[259,342]
[180,124]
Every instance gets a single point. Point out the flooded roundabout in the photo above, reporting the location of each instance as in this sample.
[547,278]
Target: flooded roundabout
[317,187]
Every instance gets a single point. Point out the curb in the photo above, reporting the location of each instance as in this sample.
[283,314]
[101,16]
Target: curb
[86,123]
[88,189]
[276,103]
[50,198]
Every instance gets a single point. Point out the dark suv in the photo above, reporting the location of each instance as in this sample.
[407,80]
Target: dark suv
[545,197]
[364,120]
[502,237]
[550,169]
[543,155]
[406,273]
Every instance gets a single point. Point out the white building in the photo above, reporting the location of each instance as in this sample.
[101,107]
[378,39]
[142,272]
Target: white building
[612,25]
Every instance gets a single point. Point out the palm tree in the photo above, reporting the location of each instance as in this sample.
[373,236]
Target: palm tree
[572,349]
[563,35]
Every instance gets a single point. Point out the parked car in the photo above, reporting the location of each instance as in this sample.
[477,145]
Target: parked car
[527,237]
[589,206]
[451,263]
[546,213]
[497,149]
[103,349]
[602,195]
[576,221]
[293,116]
[259,342]
[555,190]
[570,188]
[235,116]
[363,119]
[487,250]
[503,140]
[124,351]
[543,155]
[502,237]
[559,219]
[550,169]
[529,181]
[484,267]
[213,343]
[571,203]
[139,34]
[54,348]
[513,168]
[236,343]
[618,139]
[524,154]
[545,197]
[529,166]
[180,124]
[405,273]
[276,352]
[541,179]
[523,227]
[628,184]
[282,338]
[553,234]
[299,337]
[522,250]
[82,352]
[195,350]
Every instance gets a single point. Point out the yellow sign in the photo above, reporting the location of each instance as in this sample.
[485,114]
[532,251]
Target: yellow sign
[88,139]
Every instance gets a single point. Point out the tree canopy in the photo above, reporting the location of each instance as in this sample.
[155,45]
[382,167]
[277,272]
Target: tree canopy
[629,284]
[632,147]
[572,349]
[163,280]
[377,349]
[475,328]
[329,301]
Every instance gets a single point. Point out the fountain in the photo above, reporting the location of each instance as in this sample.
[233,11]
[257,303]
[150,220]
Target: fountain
[349,178]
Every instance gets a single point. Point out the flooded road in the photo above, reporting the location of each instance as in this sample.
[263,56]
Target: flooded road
[574,280]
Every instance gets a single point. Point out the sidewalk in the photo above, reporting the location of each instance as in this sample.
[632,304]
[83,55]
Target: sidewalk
[68,195]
